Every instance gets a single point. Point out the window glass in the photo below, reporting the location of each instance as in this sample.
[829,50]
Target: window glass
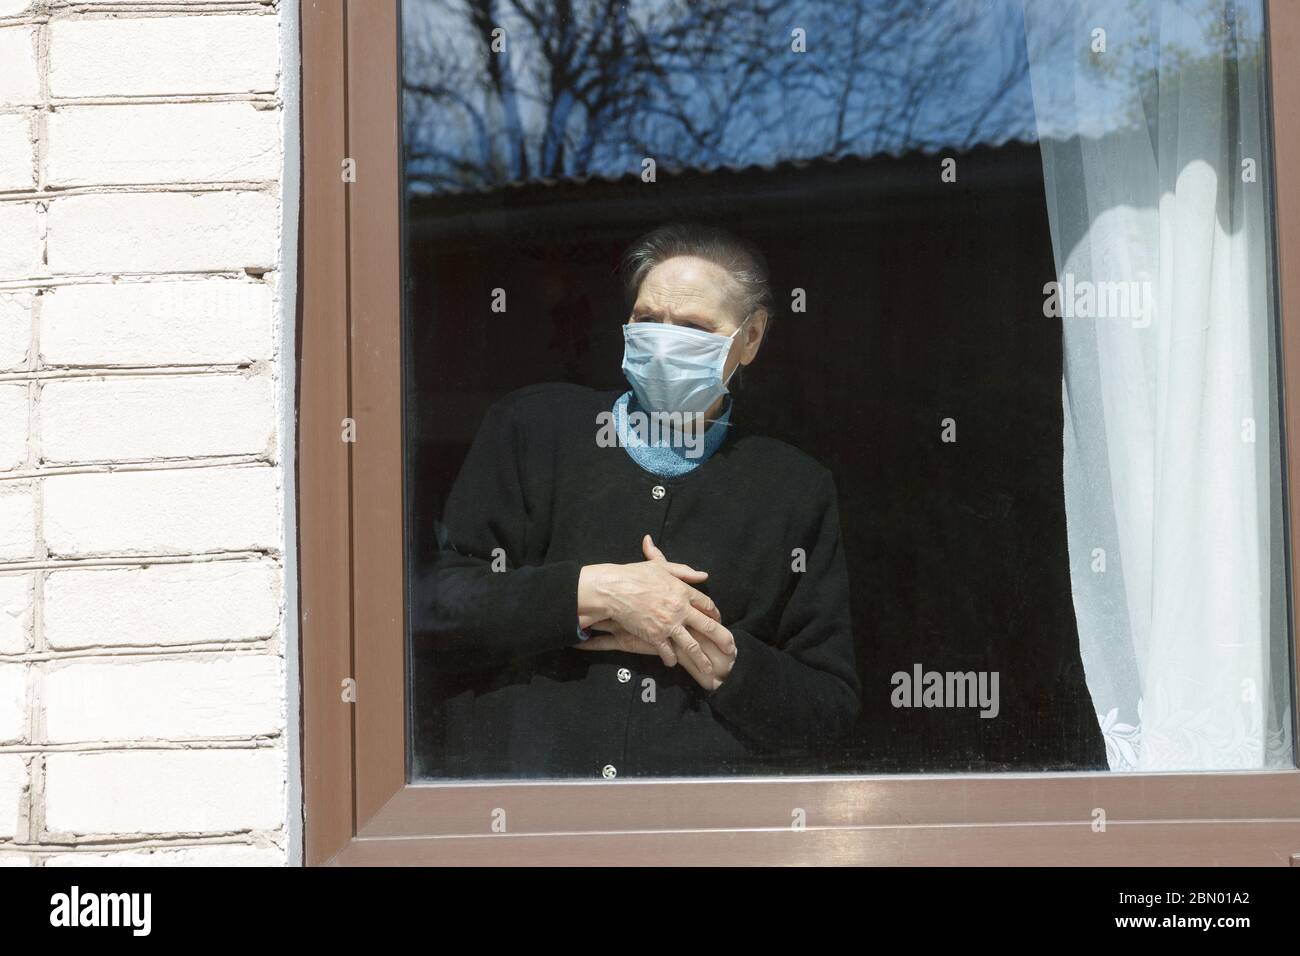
[840,387]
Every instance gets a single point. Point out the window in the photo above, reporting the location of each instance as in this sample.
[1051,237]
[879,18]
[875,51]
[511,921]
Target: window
[927,558]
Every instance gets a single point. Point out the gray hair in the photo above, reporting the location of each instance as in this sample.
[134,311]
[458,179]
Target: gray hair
[741,259]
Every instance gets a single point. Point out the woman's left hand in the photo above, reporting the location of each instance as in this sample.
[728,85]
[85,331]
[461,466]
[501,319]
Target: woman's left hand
[618,639]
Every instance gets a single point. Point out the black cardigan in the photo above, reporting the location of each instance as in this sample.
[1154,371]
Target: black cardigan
[537,490]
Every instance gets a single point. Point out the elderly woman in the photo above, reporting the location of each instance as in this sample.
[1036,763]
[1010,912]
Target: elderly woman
[673,602]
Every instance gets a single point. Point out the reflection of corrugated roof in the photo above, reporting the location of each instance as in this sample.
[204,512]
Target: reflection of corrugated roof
[782,165]
[846,187]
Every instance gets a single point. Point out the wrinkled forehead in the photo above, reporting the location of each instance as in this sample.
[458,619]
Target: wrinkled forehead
[689,284]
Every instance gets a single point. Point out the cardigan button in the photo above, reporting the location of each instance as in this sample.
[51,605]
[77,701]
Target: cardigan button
[624,675]
[609,773]
[657,492]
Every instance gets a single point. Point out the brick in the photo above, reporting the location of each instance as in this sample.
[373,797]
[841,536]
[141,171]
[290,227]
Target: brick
[218,854]
[15,859]
[13,703]
[188,510]
[162,143]
[15,329]
[13,792]
[17,522]
[12,8]
[20,252]
[13,425]
[130,419]
[16,594]
[164,791]
[201,322]
[208,696]
[161,605]
[162,232]
[20,83]
[17,151]
[164,55]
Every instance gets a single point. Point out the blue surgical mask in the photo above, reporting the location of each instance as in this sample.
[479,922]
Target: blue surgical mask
[672,368]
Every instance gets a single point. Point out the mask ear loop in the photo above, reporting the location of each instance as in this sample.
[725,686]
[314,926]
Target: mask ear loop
[742,324]
[735,370]
[732,336]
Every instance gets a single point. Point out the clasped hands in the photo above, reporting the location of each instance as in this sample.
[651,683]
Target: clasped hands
[651,607]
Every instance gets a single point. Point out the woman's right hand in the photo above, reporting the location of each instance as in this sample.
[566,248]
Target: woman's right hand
[654,601]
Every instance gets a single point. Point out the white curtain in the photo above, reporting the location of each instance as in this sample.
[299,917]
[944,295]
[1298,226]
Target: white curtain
[1151,120]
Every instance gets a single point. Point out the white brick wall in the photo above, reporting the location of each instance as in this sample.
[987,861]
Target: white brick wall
[16,141]
[20,80]
[16,593]
[197,322]
[162,232]
[145,635]
[17,521]
[180,54]
[183,142]
[128,418]
[15,328]
[154,605]
[139,791]
[20,224]
[13,795]
[191,698]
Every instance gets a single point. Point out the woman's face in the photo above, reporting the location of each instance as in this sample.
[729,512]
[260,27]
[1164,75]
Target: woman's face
[699,294]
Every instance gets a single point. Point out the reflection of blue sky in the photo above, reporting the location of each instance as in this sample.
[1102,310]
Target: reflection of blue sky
[1079,91]
[710,83]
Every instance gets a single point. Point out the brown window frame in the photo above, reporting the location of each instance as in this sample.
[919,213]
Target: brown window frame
[359,807]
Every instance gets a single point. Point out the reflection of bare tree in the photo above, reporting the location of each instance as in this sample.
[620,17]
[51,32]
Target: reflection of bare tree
[591,86]
[1154,51]
[1224,38]
[535,106]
